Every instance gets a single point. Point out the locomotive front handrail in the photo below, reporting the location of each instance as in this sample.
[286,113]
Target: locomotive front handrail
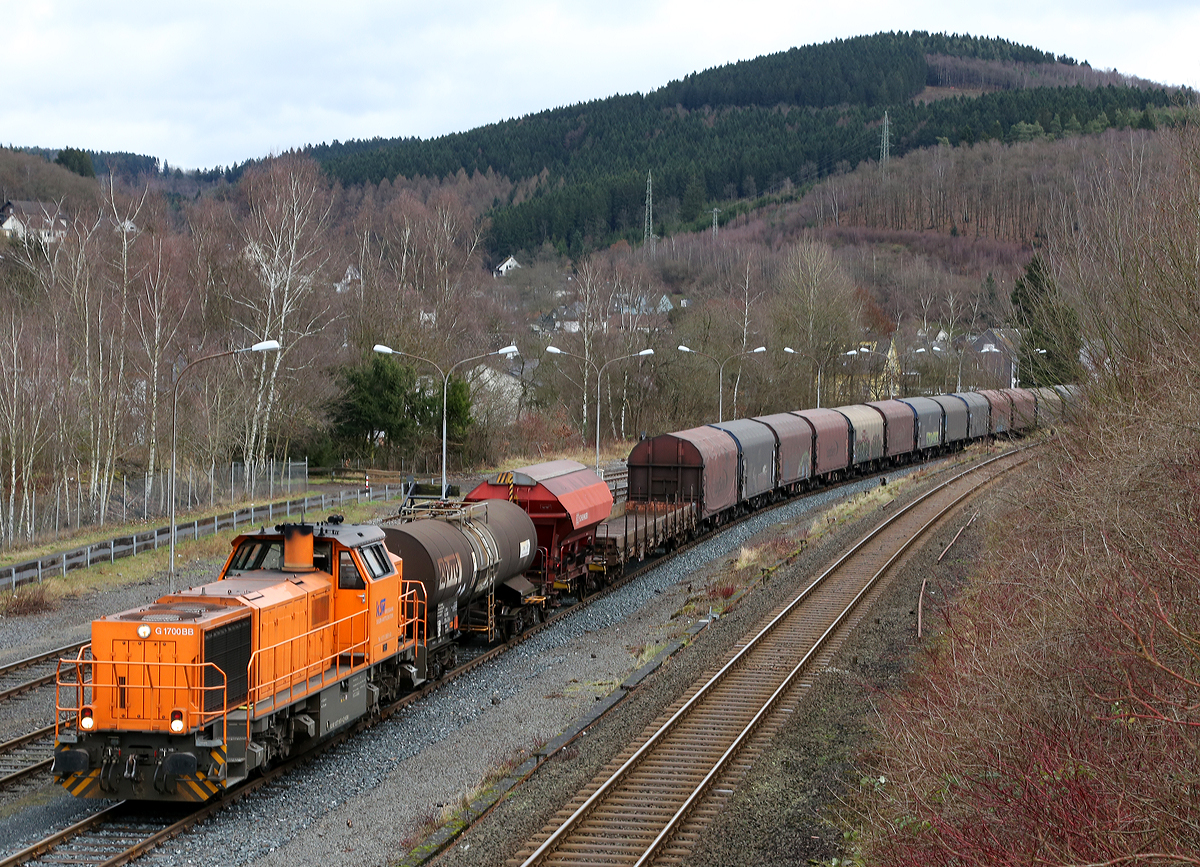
[184,689]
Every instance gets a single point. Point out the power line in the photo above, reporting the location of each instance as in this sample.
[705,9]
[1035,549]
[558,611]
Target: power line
[648,231]
[885,142]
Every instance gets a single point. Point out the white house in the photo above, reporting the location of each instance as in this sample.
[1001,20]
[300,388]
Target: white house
[43,221]
[506,266]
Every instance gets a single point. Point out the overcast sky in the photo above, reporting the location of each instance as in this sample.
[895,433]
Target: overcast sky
[214,83]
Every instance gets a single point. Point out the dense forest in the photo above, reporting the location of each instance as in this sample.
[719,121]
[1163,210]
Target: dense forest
[735,133]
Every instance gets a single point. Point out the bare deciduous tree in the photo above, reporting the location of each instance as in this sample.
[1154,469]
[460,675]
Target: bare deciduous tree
[289,208]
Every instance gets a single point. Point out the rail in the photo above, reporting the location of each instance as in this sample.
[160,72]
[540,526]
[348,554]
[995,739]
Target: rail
[646,812]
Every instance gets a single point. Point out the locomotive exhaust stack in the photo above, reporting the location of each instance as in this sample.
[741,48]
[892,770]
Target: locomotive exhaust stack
[297,547]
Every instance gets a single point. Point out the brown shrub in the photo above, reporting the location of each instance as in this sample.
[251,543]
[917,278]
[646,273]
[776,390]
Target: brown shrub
[1058,720]
[30,599]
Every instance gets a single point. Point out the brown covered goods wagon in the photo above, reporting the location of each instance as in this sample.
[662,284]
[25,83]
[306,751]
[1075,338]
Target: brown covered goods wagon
[900,426]
[794,447]
[697,465]
[831,441]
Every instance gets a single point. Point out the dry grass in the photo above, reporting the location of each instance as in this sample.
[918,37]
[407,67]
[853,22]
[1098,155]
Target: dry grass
[643,653]
[30,599]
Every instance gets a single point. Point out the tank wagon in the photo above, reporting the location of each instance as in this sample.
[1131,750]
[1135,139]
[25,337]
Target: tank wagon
[471,562]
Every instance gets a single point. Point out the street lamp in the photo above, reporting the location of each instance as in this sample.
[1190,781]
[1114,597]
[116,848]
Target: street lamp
[554,350]
[507,351]
[820,369]
[862,350]
[261,346]
[721,373]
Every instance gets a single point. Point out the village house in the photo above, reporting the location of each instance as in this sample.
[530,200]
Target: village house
[43,221]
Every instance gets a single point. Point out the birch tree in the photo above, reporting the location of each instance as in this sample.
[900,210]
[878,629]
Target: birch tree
[27,387]
[288,212]
[160,308]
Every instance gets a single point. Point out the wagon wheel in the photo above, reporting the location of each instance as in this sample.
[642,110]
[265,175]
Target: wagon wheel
[517,624]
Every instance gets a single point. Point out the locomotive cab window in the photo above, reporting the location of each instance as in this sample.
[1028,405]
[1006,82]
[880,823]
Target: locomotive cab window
[376,560]
[256,554]
[349,578]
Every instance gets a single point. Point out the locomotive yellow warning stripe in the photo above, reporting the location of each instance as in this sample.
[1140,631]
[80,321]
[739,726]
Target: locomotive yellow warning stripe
[78,784]
[198,790]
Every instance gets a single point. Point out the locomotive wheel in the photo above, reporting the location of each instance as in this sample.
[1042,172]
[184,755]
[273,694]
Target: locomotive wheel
[517,624]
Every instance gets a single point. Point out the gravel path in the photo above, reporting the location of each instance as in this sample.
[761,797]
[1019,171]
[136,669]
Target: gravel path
[364,802]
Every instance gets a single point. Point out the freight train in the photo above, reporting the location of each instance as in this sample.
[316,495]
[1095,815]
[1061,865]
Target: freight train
[310,628]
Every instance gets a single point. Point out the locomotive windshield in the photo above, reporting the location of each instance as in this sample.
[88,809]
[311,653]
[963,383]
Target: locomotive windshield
[268,554]
[256,554]
[378,562]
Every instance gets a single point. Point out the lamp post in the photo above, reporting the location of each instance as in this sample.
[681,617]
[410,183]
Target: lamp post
[507,351]
[862,350]
[554,350]
[721,373]
[820,369]
[261,346]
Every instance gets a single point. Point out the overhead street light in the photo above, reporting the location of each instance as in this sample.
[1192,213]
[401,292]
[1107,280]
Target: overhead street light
[508,352]
[261,346]
[721,373]
[554,350]
[820,369]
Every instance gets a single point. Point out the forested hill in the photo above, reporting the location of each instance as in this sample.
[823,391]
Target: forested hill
[740,130]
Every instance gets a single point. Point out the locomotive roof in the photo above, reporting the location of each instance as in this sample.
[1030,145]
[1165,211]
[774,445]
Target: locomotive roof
[349,535]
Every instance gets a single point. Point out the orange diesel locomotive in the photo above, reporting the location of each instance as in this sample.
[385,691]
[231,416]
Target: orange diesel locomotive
[308,629]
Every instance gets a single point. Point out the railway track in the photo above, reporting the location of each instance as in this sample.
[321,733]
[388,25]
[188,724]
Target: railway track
[115,835]
[652,802]
[37,671]
[26,755]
